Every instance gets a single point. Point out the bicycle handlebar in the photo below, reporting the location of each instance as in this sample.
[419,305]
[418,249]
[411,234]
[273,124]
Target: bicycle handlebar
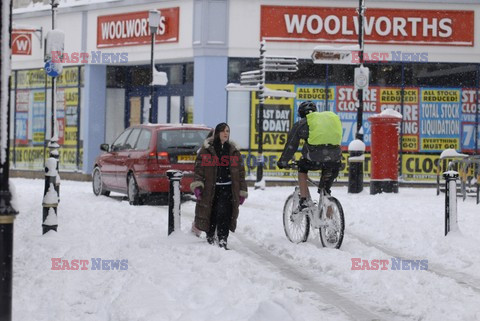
[292,164]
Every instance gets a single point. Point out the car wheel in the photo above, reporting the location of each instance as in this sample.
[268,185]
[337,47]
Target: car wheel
[97,183]
[132,191]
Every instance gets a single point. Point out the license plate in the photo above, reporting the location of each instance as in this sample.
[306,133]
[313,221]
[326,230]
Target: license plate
[186,158]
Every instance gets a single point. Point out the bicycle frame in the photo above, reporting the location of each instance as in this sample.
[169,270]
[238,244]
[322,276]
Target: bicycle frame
[297,223]
[315,211]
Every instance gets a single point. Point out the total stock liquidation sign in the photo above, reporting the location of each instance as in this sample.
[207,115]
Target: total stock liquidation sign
[434,119]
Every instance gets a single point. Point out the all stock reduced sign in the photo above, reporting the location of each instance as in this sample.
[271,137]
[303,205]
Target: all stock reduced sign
[434,119]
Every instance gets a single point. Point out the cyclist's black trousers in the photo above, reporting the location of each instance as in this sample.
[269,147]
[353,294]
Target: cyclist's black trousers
[221,212]
[329,170]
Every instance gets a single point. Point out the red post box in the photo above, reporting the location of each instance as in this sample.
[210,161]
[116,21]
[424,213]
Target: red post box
[384,151]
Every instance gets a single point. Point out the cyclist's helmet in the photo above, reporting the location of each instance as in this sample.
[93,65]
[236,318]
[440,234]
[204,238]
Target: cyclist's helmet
[305,108]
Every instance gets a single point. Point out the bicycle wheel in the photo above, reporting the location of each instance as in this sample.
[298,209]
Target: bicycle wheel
[296,225]
[331,234]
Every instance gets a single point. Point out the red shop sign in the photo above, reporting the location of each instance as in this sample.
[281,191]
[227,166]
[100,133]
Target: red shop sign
[131,29]
[21,43]
[382,26]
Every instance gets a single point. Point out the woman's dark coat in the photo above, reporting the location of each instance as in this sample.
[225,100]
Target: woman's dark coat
[205,178]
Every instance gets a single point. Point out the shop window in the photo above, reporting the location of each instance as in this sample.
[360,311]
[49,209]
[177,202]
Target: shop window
[188,111]
[189,73]
[116,77]
[308,72]
[140,75]
[175,75]
[238,65]
[341,74]
[175,105]
[382,74]
[440,75]
[162,103]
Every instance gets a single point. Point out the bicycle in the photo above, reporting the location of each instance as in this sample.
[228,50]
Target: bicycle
[327,217]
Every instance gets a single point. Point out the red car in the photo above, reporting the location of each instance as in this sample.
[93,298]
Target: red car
[136,162]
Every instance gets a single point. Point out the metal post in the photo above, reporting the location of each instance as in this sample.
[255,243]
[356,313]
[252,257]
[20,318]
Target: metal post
[359,134]
[151,84]
[153,22]
[450,201]
[402,105]
[7,212]
[174,199]
[51,192]
[54,4]
[477,107]
[357,146]
[260,183]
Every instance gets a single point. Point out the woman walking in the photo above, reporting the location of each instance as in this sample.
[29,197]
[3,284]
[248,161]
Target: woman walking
[219,186]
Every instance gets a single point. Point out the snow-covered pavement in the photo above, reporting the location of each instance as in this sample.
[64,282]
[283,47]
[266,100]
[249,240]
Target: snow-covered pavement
[263,277]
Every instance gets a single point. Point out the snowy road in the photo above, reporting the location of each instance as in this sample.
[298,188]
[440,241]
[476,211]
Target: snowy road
[264,277]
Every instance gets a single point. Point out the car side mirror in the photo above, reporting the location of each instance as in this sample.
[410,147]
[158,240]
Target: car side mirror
[105,147]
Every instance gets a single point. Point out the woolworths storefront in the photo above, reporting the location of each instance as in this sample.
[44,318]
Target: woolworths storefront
[424,60]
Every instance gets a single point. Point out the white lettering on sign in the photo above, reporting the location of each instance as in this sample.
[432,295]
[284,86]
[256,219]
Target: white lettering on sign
[134,28]
[383,25]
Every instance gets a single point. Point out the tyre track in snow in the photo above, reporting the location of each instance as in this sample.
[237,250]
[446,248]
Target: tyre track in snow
[460,278]
[328,293]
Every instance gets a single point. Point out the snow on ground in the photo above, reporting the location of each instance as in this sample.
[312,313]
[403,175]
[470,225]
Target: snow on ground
[263,277]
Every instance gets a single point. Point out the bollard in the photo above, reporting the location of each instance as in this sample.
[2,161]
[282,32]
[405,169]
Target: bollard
[174,198]
[450,201]
[356,149]
[51,193]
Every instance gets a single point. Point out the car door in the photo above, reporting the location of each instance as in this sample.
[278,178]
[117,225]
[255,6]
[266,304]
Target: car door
[109,165]
[124,161]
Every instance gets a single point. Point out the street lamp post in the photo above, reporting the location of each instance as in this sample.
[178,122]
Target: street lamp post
[361,12]
[7,212]
[51,192]
[356,148]
[153,21]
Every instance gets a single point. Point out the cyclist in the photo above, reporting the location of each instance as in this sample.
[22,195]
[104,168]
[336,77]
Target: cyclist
[322,133]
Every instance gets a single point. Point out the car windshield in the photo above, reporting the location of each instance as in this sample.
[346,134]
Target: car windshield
[182,138]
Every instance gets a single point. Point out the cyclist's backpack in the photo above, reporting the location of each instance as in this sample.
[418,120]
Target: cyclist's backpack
[324,128]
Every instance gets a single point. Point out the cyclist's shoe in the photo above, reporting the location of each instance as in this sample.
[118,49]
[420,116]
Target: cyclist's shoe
[304,203]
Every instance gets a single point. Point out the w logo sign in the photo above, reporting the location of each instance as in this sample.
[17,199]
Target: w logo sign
[21,43]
